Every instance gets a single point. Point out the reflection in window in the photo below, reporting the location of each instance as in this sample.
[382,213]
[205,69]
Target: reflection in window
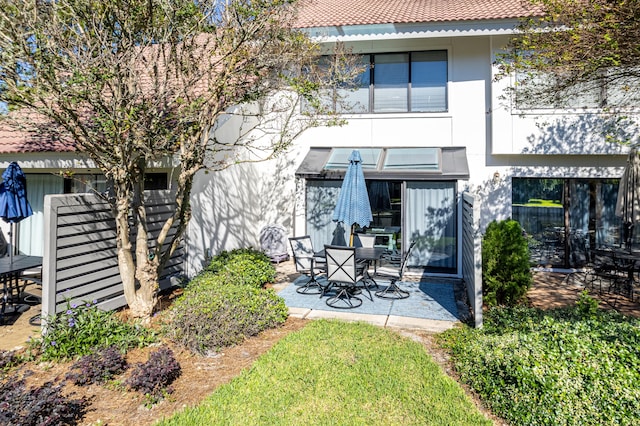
[393,82]
[565,218]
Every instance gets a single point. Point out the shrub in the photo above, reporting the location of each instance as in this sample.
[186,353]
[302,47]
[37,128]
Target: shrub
[82,329]
[506,275]
[97,367]
[552,367]
[218,314]
[44,405]
[587,305]
[154,376]
[244,266]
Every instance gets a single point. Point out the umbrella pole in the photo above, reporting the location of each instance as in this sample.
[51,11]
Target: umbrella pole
[11,243]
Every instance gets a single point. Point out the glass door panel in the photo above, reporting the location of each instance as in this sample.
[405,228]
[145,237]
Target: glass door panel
[431,222]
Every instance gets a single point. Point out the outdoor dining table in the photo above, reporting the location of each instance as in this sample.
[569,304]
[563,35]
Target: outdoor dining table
[625,261]
[10,272]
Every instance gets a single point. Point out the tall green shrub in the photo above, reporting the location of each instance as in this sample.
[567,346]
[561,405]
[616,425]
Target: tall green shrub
[506,275]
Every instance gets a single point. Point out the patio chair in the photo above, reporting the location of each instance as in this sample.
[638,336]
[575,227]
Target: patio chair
[365,240]
[307,264]
[600,269]
[343,273]
[392,291]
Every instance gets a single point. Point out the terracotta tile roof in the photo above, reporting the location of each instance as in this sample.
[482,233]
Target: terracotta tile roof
[18,138]
[322,13]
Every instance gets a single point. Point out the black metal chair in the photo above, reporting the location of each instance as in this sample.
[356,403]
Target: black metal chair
[392,291]
[307,264]
[343,273]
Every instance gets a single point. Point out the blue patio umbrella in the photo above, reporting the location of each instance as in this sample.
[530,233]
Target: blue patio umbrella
[14,205]
[353,202]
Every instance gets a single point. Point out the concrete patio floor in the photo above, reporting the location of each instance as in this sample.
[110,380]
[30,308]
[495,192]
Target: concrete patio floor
[431,306]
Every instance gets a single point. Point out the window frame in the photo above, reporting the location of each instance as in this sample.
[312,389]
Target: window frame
[370,68]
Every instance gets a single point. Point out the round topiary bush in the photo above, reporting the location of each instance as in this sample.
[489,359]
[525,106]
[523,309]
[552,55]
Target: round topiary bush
[506,275]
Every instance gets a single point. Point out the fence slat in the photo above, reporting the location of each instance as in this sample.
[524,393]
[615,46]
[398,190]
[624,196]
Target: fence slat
[80,256]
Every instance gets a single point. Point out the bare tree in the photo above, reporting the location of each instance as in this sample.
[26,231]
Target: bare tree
[137,81]
[580,53]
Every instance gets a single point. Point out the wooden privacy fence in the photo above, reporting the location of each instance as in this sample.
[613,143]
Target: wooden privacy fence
[80,261]
[472,255]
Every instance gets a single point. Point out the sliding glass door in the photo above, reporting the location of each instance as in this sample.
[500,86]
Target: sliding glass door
[424,212]
[431,221]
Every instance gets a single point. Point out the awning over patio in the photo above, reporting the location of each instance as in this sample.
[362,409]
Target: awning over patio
[403,163]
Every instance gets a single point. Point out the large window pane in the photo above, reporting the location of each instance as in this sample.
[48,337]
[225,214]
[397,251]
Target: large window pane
[431,223]
[321,200]
[391,82]
[429,81]
[356,100]
[31,229]
[539,205]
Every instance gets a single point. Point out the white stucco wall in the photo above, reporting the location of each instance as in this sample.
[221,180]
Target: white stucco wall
[230,207]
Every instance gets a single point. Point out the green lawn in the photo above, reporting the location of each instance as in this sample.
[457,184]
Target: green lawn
[333,373]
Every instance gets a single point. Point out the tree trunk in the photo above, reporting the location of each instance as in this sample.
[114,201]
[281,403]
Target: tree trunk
[147,282]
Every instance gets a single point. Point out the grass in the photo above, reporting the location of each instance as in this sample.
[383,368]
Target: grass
[332,372]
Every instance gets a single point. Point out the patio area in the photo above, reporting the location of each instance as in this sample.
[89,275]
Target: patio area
[433,305]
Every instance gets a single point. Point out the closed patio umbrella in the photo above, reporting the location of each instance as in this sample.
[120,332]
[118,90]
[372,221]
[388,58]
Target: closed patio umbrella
[353,202]
[14,205]
[628,202]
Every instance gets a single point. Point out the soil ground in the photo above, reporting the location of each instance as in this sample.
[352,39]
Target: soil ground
[112,405]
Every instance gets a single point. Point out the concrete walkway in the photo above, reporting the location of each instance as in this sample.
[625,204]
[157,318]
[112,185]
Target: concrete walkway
[392,321]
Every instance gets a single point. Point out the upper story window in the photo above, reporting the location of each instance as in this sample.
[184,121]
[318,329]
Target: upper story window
[398,82]
[541,91]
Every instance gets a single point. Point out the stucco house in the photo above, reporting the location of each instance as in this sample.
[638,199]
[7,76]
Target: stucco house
[430,123]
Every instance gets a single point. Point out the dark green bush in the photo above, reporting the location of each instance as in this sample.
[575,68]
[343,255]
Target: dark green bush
[572,366]
[216,313]
[83,328]
[506,275]
[244,266]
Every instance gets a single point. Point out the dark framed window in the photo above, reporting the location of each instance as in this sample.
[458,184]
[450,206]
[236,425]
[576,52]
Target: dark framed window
[396,82]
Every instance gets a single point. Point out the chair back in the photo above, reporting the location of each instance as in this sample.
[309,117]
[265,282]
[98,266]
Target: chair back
[406,257]
[341,264]
[365,240]
[302,251]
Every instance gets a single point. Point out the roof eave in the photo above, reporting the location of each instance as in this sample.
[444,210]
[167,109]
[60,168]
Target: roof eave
[412,30]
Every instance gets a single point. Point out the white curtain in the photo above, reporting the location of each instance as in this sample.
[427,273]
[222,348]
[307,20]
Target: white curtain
[431,223]
[321,200]
[31,229]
